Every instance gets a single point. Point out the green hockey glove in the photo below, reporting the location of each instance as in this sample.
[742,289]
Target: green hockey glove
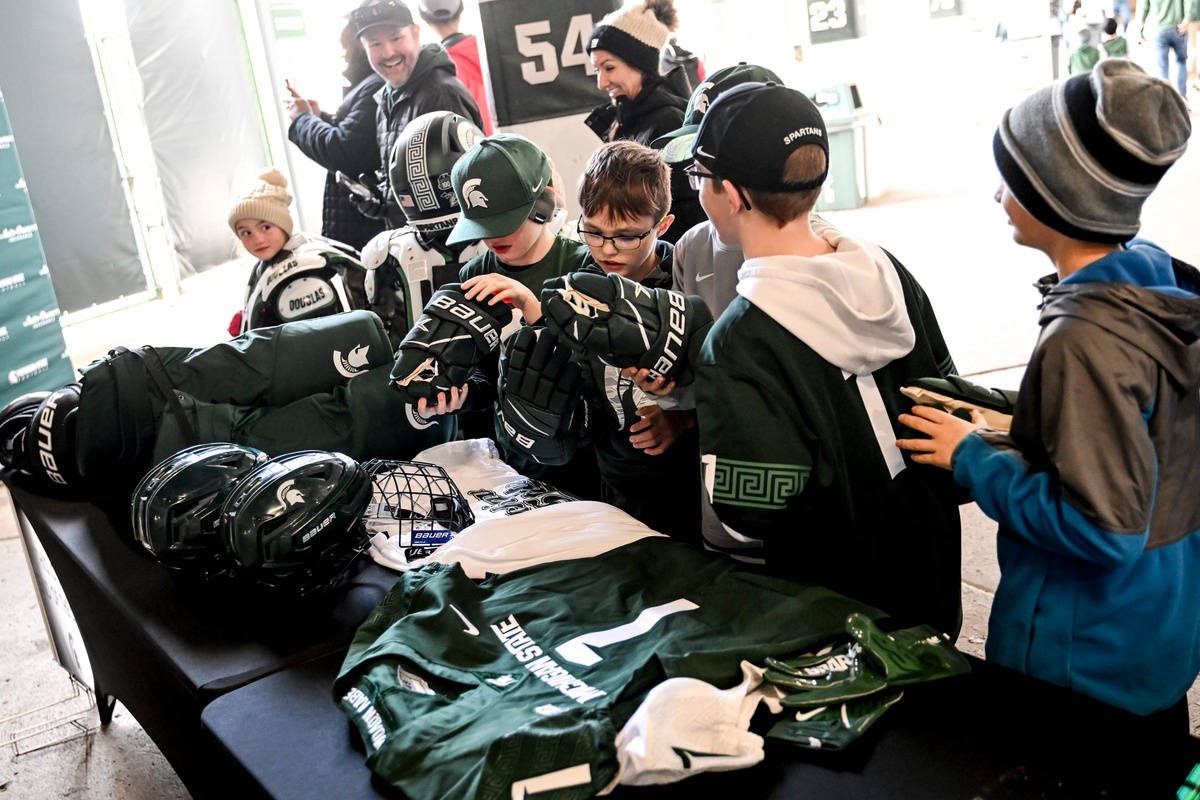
[625,324]
[541,407]
[451,339]
[958,394]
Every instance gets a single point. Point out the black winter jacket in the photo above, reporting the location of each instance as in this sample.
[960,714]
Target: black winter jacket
[431,87]
[344,141]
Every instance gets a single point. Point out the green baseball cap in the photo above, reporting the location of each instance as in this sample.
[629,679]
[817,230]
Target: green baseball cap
[676,146]
[497,182]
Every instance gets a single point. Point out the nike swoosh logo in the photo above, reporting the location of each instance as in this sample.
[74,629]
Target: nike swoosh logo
[698,761]
[538,185]
[700,151]
[703,277]
[470,629]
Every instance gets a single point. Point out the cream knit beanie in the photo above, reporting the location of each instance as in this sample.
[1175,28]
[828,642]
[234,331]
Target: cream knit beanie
[636,34]
[266,199]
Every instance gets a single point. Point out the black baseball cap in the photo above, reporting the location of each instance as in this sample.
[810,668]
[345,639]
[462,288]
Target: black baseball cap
[676,146]
[750,131]
[384,12]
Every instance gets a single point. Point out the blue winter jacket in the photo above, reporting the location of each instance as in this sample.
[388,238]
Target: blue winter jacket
[1097,487]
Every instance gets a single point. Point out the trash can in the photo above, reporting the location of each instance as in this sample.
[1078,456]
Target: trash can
[846,121]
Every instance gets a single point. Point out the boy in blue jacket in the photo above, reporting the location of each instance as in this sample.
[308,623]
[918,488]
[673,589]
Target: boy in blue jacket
[1097,485]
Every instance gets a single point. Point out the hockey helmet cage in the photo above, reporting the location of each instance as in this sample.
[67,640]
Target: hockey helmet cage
[49,441]
[176,508]
[416,505]
[419,168]
[14,424]
[294,521]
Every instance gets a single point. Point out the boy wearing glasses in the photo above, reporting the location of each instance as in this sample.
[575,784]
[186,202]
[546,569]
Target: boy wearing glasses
[648,457]
[798,382]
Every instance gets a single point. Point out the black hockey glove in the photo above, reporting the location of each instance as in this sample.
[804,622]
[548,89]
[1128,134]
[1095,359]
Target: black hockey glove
[370,203]
[625,324]
[447,343]
[958,394]
[541,408]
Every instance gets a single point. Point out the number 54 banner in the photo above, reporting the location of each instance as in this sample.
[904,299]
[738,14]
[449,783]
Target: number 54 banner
[537,64]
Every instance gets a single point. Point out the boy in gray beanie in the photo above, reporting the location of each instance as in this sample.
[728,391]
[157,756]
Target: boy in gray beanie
[1097,485]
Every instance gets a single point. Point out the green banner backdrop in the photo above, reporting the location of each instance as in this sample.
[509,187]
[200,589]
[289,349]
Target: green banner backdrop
[33,353]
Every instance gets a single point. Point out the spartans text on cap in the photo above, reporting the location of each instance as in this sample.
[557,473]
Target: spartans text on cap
[796,134]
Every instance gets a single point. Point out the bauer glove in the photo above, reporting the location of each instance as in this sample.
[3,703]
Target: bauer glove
[954,394]
[625,324]
[541,410]
[451,339]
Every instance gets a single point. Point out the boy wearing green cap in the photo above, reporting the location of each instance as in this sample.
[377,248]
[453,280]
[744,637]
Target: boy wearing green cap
[504,191]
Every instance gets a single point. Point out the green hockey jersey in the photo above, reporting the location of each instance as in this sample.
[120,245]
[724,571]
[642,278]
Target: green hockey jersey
[519,684]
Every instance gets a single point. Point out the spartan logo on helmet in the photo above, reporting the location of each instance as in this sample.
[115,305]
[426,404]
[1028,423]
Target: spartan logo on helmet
[288,495]
[471,193]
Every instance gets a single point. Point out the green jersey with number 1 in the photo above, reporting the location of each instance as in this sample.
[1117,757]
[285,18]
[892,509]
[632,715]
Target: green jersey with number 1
[519,684]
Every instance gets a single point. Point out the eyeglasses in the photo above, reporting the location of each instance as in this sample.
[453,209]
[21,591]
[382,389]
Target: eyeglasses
[597,240]
[694,177]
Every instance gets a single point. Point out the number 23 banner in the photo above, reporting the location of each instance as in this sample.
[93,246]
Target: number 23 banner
[536,59]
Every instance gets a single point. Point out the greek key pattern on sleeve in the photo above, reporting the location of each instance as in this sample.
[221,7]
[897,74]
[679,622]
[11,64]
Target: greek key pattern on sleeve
[755,485]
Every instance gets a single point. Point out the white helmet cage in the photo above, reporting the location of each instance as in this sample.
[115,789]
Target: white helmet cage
[416,505]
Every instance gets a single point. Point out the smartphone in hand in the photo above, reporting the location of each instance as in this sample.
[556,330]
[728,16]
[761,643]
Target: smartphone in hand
[354,186]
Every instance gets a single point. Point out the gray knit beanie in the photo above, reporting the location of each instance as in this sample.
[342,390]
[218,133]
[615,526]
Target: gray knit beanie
[635,34]
[1083,154]
[266,199]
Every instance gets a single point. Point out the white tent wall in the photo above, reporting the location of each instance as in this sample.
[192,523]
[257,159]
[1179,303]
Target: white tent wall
[134,131]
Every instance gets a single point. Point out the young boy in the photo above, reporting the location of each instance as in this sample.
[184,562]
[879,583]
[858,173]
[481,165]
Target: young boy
[503,186]
[1096,486]
[648,457]
[1084,55]
[799,379]
[296,276]
[1115,45]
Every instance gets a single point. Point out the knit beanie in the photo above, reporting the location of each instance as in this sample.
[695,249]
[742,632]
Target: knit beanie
[635,34]
[267,199]
[1083,154]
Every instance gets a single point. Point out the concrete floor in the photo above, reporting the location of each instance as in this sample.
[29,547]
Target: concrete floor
[933,209]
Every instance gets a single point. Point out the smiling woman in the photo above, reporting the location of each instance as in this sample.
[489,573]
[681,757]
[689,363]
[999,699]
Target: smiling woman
[625,49]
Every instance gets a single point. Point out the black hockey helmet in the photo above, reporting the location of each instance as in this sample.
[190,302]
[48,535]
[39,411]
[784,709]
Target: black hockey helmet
[415,504]
[14,424]
[294,521]
[176,508]
[419,168]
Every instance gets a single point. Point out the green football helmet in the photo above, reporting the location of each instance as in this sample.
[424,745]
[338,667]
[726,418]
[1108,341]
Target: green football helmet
[294,522]
[176,507]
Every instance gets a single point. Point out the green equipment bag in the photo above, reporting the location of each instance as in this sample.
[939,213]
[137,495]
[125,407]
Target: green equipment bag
[126,394]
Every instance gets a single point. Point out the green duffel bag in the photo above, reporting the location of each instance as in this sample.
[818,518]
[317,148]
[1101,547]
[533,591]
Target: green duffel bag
[126,393]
